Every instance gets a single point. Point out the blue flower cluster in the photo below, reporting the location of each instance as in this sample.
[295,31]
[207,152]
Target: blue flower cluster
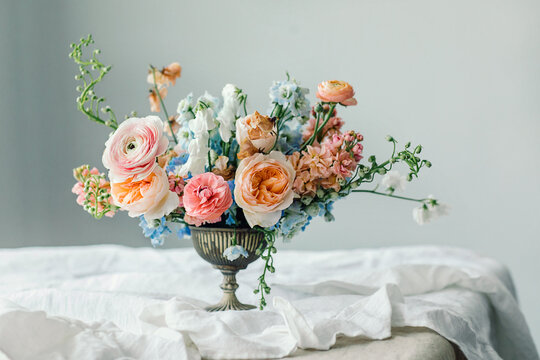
[155,231]
[176,162]
[289,93]
[293,220]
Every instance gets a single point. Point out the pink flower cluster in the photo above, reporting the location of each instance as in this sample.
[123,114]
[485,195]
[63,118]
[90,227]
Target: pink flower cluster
[327,165]
[333,126]
[86,189]
[176,185]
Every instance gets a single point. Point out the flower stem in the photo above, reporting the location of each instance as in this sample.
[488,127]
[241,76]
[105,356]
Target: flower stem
[163,106]
[389,195]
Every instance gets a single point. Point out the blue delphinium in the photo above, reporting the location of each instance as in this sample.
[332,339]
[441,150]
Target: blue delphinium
[183,232]
[290,138]
[176,162]
[293,220]
[233,252]
[288,93]
[156,231]
[230,213]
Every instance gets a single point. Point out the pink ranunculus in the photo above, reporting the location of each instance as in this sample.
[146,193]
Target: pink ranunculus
[206,197]
[131,151]
[150,196]
[336,91]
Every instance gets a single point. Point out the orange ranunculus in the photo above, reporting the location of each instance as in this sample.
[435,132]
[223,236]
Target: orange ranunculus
[150,197]
[336,91]
[255,133]
[264,187]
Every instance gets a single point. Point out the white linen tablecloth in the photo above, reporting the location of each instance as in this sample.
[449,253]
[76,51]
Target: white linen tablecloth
[112,302]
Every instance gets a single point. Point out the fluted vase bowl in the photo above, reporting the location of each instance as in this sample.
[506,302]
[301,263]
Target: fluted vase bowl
[210,243]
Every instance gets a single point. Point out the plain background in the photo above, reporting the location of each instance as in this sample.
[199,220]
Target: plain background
[460,77]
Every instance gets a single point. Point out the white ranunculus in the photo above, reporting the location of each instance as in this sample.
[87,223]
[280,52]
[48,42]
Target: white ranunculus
[394,180]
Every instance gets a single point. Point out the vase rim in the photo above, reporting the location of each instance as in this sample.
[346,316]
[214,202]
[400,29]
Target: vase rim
[227,229]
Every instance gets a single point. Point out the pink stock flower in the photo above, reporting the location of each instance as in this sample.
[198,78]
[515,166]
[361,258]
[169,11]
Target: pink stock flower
[86,187]
[131,151]
[176,185]
[357,151]
[206,197]
[333,126]
[319,161]
[343,165]
[336,91]
[150,197]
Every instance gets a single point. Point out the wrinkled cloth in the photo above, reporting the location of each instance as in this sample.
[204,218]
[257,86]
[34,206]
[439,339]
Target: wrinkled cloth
[118,296]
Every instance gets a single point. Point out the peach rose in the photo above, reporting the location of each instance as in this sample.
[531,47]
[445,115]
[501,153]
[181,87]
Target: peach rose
[255,133]
[150,197]
[206,197]
[131,151]
[263,188]
[336,91]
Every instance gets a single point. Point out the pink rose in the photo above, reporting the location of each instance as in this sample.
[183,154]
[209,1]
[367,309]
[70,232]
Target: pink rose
[206,197]
[150,197]
[336,91]
[131,151]
[264,187]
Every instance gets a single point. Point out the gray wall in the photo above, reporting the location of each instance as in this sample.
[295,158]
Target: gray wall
[461,77]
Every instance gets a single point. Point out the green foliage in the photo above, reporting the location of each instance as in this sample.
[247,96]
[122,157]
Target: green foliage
[266,250]
[91,72]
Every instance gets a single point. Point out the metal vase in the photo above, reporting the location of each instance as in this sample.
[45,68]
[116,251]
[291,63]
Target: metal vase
[210,243]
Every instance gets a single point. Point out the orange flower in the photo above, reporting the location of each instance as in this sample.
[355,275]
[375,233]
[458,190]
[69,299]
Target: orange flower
[222,169]
[165,76]
[336,91]
[263,187]
[255,133]
[155,105]
[150,197]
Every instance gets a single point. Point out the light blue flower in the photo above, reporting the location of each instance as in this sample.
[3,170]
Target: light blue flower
[290,138]
[283,92]
[185,109]
[233,252]
[183,232]
[156,231]
[325,210]
[231,211]
[294,220]
[288,93]
[176,162]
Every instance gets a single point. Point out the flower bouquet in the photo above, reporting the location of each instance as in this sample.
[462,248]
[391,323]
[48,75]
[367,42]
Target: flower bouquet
[233,180]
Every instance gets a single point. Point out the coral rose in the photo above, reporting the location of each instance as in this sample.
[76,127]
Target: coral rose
[263,188]
[336,91]
[255,133]
[206,197]
[150,197]
[131,151]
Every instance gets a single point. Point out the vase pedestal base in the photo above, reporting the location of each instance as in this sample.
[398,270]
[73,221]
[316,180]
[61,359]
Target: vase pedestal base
[229,286]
